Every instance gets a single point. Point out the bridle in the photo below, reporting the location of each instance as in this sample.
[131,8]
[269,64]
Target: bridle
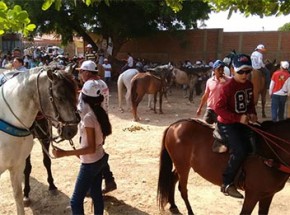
[58,120]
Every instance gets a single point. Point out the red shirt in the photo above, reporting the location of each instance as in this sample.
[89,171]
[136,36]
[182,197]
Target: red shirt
[235,100]
[279,77]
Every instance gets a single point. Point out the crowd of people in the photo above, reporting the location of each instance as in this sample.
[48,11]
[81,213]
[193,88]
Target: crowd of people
[228,97]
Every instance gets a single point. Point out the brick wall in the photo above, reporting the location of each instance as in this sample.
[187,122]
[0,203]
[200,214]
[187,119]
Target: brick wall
[207,44]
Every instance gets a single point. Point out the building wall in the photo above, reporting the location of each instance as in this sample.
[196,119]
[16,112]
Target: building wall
[206,44]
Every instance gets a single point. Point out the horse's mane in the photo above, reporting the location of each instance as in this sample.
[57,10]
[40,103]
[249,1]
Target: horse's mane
[269,123]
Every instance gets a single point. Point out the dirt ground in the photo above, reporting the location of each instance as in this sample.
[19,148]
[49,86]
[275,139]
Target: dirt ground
[134,160]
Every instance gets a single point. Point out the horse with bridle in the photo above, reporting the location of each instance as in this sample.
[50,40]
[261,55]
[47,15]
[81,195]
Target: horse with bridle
[187,144]
[155,81]
[42,89]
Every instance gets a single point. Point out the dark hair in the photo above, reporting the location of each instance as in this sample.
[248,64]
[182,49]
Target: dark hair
[100,113]
[20,60]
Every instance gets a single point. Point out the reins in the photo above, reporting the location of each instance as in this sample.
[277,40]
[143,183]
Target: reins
[271,139]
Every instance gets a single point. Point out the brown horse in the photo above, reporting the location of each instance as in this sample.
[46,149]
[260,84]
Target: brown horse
[188,144]
[152,82]
[260,89]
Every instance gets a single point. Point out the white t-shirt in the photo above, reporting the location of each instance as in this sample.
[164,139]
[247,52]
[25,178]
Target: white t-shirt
[107,67]
[90,121]
[130,61]
[257,60]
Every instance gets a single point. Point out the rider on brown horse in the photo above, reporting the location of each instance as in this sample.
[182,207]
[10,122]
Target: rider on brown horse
[235,109]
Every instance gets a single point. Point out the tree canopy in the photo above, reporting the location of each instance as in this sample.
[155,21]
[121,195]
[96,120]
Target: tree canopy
[14,20]
[118,19]
[123,20]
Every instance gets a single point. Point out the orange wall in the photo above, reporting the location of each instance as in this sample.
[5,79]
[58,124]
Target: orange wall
[206,44]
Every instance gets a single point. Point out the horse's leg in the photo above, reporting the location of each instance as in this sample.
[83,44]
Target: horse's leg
[150,98]
[155,100]
[26,190]
[190,97]
[135,105]
[16,176]
[249,203]
[263,98]
[160,102]
[183,173]
[264,205]
[47,164]
[171,200]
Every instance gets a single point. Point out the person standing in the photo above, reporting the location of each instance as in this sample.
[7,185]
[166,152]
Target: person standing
[212,92]
[108,71]
[95,127]
[88,72]
[235,108]
[277,94]
[258,63]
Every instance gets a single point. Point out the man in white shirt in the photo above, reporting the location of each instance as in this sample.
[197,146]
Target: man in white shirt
[108,71]
[258,63]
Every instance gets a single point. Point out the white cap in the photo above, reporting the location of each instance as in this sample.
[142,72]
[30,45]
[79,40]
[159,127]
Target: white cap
[260,47]
[89,46]
[88,65]
[92,88]
[106,59]
[284,64]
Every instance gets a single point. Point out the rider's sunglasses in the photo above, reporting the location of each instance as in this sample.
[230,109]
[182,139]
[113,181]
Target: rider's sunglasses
[241,72]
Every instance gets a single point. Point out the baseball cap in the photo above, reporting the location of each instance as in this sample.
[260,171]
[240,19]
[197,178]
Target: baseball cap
[89,46]
[88,65]
[260,47]
[217,64]
[106,59]
[284,64]
[92,88]
[242,61]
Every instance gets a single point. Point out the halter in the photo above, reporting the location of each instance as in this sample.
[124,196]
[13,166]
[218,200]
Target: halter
[59,120]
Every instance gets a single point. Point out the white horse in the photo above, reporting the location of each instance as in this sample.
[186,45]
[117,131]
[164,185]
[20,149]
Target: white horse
[51,92]
[124,81]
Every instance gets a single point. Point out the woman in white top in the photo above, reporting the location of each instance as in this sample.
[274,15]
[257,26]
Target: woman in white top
[95,126]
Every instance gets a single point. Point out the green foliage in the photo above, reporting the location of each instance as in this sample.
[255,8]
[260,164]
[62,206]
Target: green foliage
[14,20]
[252,7]
[285,27]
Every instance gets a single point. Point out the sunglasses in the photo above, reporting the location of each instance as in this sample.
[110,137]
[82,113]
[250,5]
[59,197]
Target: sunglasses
[241,72]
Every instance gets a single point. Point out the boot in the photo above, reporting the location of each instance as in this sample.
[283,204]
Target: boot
[109,186]
[230,190]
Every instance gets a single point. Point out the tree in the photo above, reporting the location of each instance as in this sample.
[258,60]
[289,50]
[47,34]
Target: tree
[252,7]
[285,27]
[121,20]
[14,20]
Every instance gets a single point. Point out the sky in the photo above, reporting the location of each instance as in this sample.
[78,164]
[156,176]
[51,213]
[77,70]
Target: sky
[238,22]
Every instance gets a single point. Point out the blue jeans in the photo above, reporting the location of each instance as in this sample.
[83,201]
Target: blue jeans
[278,107]
[89,178]
[238,137]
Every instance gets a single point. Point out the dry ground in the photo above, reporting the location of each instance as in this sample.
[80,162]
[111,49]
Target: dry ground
[134,160]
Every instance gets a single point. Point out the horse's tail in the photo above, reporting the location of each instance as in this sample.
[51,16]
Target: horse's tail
[134,93]
[166,179]
[120,85]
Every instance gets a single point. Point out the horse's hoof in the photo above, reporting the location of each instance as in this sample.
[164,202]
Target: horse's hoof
[54,192]
[26,202]
[174,210]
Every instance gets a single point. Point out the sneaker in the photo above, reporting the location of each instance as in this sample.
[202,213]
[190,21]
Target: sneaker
[230,190]
[109,186]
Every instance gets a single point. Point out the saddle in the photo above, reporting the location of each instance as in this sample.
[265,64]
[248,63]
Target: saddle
[219,144]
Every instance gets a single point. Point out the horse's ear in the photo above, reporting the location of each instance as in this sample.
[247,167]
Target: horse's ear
[69,68]
[51,75]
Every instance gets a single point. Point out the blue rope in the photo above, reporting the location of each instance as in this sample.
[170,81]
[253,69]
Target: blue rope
[12,130]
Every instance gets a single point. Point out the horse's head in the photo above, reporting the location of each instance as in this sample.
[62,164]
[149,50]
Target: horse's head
[57,100]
